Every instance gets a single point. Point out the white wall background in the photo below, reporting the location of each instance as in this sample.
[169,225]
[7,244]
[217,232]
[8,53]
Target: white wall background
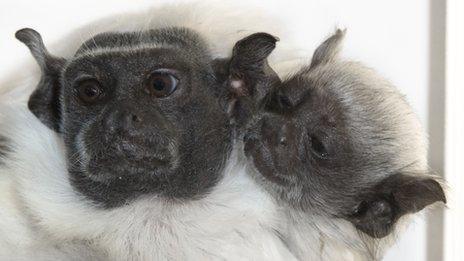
[393,36]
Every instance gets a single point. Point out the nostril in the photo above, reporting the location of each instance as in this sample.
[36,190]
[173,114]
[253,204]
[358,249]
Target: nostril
[131,121]
[136,118]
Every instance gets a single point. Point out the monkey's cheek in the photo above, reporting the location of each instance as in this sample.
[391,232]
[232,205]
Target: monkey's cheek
[250,147]
[263,163]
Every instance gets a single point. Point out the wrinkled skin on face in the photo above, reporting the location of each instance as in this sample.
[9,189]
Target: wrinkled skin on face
[336,140]
[143,113]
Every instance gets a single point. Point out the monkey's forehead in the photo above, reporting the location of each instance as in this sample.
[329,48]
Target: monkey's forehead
[174,37]
[113,63]
[374,113]
[116,50]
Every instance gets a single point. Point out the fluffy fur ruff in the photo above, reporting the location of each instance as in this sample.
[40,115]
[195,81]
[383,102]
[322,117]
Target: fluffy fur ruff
[236,221]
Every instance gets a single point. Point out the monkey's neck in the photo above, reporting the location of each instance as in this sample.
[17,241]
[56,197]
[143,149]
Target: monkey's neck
[315,237]
[235,221]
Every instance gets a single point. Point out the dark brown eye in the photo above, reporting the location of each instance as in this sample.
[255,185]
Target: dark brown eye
[317,147]
[89,91]
[162,84]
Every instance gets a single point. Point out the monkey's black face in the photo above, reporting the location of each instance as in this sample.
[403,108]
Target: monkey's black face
[145,112]
[142,120]
[300,144]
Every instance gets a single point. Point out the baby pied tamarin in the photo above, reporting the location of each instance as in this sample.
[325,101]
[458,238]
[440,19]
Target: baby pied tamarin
[344,154]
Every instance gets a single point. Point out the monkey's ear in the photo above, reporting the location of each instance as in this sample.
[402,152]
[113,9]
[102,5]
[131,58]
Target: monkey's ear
[328,50]
[247,75]
[380,208]
[44,102]
[248,64]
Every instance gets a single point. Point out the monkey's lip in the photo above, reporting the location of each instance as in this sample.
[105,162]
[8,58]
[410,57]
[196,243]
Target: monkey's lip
[125,164]
[104,169]
[138,161]
[152,161]
[133,151]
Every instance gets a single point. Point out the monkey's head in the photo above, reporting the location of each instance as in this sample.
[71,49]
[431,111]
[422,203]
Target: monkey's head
[143,112]
[337,140]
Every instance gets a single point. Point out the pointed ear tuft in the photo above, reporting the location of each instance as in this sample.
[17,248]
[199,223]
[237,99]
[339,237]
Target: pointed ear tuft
[247,75]
[328,50]
[251,52]
[248,64]
[413,193]
[33,41]
[44,102]
[400,194]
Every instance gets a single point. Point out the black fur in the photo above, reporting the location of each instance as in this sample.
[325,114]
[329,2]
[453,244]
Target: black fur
[247,76]
[44,102]
[392,198]
[5,148]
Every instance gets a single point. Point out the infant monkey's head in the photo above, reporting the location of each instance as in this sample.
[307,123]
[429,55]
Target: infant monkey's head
[143,112]
[337,140]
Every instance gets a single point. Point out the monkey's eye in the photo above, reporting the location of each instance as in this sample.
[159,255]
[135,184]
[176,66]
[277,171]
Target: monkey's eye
[317,147]
[162,84]
[89,91]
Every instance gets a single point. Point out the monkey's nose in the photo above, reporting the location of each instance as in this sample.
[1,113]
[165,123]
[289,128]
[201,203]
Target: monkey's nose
[131,122]
[127,121]
[132,119]
[276,130]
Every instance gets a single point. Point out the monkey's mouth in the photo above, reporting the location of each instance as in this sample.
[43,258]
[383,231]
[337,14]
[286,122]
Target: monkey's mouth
[127,158]
[109,167]
[256,150]
[130,162]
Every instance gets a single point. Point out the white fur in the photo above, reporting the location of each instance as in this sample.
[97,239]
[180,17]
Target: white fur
[236,221]
[43,218]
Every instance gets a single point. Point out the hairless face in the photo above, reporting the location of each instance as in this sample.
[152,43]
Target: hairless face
[144,112]
[335,139]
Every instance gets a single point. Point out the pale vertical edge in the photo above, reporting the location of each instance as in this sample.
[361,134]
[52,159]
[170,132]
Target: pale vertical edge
[434,247]
[454,138]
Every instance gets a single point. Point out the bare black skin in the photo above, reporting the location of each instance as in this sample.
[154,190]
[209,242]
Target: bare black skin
[4,148]
[145,112]
[311,155]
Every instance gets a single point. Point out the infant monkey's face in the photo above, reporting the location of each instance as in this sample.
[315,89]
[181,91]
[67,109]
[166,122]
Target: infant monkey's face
[140,112]
[335,139]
